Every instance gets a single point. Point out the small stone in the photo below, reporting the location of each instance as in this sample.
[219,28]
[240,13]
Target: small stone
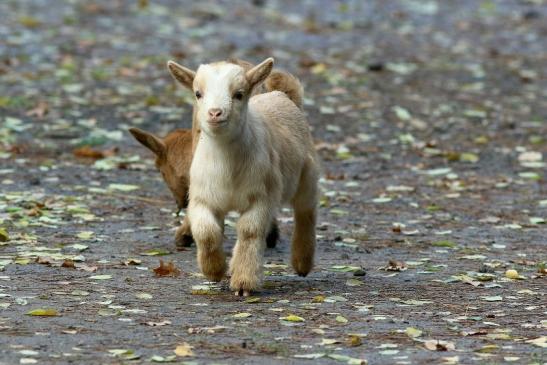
[359,272]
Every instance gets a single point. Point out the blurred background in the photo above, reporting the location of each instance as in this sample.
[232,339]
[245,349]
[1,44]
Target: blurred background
[400,69]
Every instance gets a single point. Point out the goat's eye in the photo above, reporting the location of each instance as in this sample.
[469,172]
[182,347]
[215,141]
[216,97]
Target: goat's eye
[198,94]
[238,95]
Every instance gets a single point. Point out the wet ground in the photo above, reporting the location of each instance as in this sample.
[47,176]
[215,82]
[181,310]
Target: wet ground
[430,118]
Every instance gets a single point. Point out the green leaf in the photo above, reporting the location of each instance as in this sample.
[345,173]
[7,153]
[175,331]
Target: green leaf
[444,243]
[341,319]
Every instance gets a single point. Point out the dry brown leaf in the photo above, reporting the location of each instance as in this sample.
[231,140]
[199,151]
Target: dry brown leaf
[88,152]
[394,265]
[43,260]
[438,345]
[166,269]
[85,267]
[69,264]
[39,110]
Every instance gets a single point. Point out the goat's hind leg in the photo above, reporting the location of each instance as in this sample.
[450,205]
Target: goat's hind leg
[305,216]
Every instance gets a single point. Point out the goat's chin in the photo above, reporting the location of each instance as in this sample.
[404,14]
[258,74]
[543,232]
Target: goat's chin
[217,128]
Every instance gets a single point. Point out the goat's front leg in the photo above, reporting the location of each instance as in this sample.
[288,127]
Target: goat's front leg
[207,229]
[246,262]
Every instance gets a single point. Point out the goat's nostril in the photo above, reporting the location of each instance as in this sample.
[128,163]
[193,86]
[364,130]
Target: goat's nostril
[215,112]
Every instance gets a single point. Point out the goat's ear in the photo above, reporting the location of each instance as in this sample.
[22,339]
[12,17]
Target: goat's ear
[182,74]
[260,72]
[149,141]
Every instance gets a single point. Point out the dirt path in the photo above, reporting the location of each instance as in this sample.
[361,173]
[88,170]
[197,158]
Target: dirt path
[430,118]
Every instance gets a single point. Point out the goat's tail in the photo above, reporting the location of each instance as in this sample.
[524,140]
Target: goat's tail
[287,83]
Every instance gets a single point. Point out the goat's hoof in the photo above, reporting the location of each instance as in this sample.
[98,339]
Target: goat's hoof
[242,293]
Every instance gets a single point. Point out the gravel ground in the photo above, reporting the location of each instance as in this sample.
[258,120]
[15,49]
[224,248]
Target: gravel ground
[431,121]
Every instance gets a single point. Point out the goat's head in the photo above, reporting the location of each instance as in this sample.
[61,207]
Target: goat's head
[173,159]
[221,90]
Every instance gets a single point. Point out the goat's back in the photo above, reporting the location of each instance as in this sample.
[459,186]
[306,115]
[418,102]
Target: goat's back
[289,136]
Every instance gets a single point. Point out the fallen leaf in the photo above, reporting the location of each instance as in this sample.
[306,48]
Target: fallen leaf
[314,356]
[354,282]
[354,340]
[184,350]
[101,277]
[123,187]
[88,152]
[413,332]
[157,358]
[43,312]
[242,315]
[167,269]
[144,296]
[540,341]
[495,298]
[439,345]
[68,263]
[292,318]
[155,252]
[394,265]
[4,237]
[39,111]
[158,324]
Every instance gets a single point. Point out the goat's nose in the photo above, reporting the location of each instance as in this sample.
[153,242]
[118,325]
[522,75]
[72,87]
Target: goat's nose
[215,112]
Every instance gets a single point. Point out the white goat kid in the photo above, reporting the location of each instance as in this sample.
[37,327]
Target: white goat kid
[254,155]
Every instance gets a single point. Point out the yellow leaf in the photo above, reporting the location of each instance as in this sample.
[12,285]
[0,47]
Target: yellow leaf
[184,350]
[540,341]
[4,237]
[413,332]
[512,274]
[242,315]
[293,318]
[44,312]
